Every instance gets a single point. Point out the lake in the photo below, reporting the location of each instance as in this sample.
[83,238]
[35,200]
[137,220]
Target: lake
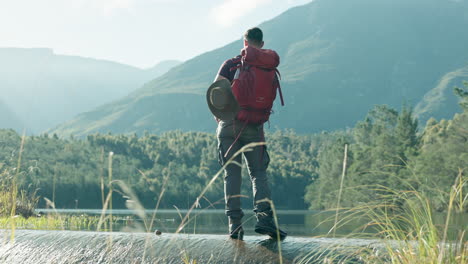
[295,222]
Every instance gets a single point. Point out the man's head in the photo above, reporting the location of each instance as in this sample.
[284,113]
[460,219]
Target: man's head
[253,37]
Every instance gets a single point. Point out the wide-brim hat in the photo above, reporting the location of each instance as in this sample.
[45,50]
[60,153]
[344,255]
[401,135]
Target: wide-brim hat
[221,100]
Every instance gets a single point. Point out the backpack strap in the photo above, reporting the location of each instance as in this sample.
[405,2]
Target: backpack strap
[234,68]
[278,77]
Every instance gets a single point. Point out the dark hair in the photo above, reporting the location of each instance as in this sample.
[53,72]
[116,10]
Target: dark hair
[254,35]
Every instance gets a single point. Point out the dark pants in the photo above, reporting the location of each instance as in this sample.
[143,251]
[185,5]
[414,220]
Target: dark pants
[257,163]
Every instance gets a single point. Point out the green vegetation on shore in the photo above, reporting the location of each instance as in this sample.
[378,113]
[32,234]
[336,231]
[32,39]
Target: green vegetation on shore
[54,222]
[69,171]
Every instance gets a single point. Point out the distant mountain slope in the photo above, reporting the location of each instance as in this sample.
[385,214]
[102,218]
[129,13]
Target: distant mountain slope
[8,119]
[161,68]
[338,59]
[46,89]
[436,100]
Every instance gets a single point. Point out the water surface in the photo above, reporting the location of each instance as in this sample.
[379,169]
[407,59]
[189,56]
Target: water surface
[295,222]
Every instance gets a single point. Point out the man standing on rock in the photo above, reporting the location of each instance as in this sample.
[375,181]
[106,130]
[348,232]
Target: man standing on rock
[241,99]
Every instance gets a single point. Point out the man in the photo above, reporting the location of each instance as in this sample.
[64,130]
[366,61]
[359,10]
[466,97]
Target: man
[233,135]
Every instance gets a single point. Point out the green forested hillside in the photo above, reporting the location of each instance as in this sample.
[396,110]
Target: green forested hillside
[338,60]
[45,89]
[388,148]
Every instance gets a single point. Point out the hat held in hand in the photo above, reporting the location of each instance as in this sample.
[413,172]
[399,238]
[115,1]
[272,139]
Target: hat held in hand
[221,100]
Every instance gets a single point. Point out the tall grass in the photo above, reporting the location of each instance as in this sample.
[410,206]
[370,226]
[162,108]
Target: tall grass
[410,233]
[135,205]
[403,221]
[11,201]
[345,159]
[404,230]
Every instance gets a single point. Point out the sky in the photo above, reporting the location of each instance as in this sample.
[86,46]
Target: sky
[140,33]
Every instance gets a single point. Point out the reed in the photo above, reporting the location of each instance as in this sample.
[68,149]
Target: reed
[403,223]
[345,159]
[403,227]
[410,234]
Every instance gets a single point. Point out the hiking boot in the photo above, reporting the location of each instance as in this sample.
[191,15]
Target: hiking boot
[235,229]
[266,226]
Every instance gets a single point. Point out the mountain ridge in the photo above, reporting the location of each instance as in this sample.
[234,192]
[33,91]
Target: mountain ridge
[46,89]
[338,60]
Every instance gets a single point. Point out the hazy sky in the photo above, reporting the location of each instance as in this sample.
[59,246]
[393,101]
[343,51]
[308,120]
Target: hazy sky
[136,32]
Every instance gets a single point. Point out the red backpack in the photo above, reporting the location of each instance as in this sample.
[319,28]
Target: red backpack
[255,84]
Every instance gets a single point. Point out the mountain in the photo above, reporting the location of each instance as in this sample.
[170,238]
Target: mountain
[437,101]
[161,68]
[8,119]
[338,60]
[46,89]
